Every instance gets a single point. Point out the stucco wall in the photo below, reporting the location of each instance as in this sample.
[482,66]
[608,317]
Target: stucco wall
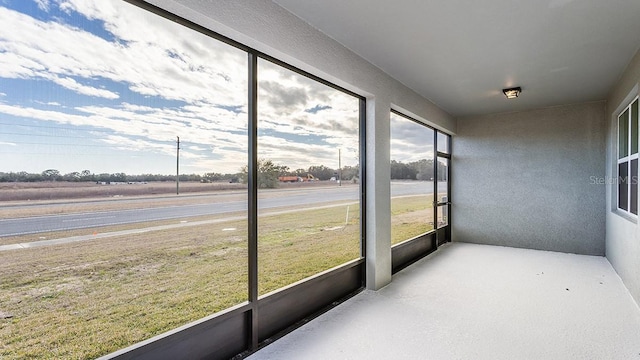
[622,234]
[526,179]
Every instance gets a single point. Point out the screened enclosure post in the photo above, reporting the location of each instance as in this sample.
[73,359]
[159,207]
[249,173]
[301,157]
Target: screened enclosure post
[363,179]
[252,183]
[435,186]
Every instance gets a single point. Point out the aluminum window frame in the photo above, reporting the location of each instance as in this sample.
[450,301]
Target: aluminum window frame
[626,159]
[256,326]
[410,250]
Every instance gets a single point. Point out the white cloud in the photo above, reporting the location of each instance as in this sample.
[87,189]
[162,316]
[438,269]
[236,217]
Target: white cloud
[141,58]
[3,143]
[164,61]
[71,84]
[42,4]
[410,141]
[137,145]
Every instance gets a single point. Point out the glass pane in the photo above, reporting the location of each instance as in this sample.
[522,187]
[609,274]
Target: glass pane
[634,127]
[443,191]
[623,134]
[443,216]
[308,197]
[412,176]
[93,98]
[634,187]
[443,180]
[443,142]
[623,185]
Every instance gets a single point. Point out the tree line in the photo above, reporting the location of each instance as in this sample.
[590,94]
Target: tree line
[268,173]
[417,170]
[88,176]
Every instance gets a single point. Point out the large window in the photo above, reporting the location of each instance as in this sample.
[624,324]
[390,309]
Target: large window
[308,199]
[420,198]
[628,159]
[96,250]
[125,158]
[412,178]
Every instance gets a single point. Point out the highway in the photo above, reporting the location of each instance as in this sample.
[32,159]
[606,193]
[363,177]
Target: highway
[289,198]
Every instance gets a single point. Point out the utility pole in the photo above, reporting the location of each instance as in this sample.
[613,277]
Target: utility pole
[339,167]
[178,165]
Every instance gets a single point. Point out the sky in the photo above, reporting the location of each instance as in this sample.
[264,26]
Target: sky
[411,141]
[104,86]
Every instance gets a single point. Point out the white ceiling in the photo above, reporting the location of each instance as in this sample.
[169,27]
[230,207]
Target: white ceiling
[461,53]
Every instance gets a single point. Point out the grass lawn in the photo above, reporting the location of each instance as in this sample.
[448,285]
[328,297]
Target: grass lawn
[410,216]
[86,299]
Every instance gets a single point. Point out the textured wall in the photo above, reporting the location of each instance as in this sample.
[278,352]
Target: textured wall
[525,179]
[623,234]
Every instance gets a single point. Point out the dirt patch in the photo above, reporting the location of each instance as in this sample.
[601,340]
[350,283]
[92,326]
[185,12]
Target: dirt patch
[69,190]
[5,315]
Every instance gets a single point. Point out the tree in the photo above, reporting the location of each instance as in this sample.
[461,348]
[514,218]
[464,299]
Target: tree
[321,172]
[299,172]
[86,175]
[51,175]
[211,177]
[118,177]
[351,173]
[268,173]
[402,171]
[424,169]
[72,176]
[103,177]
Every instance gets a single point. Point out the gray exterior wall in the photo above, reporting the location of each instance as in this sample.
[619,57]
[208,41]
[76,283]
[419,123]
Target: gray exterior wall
[526,179]
[623,233]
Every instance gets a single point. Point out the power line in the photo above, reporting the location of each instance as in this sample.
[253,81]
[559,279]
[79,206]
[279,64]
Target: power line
[123,147]
[68,154]
[43,135]
[53,127]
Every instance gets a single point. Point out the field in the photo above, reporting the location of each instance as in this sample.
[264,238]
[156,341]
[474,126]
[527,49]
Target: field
[22,191]
[81,300]
[410,216]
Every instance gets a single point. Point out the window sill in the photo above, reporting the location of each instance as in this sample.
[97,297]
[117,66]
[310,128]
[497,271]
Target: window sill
[627,216]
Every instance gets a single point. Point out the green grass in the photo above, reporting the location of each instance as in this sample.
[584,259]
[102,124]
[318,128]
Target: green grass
[297,245]
[86,299]
[410,216]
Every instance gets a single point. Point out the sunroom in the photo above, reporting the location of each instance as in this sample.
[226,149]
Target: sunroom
[338,179]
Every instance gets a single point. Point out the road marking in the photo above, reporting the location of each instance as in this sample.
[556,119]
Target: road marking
[43,243]
[88,219]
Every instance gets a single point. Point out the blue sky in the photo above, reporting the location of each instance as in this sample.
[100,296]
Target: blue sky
[104,86]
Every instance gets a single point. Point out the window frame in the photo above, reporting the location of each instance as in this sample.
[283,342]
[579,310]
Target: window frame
[433,204]
[236,328]
[630,179]
[437,153]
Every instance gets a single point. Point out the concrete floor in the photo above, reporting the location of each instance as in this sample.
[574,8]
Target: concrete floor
[470,301]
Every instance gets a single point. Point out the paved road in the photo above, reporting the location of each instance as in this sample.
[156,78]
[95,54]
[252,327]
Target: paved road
[273,199]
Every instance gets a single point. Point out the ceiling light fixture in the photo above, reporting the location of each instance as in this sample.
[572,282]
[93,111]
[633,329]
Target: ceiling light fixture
[512,93]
